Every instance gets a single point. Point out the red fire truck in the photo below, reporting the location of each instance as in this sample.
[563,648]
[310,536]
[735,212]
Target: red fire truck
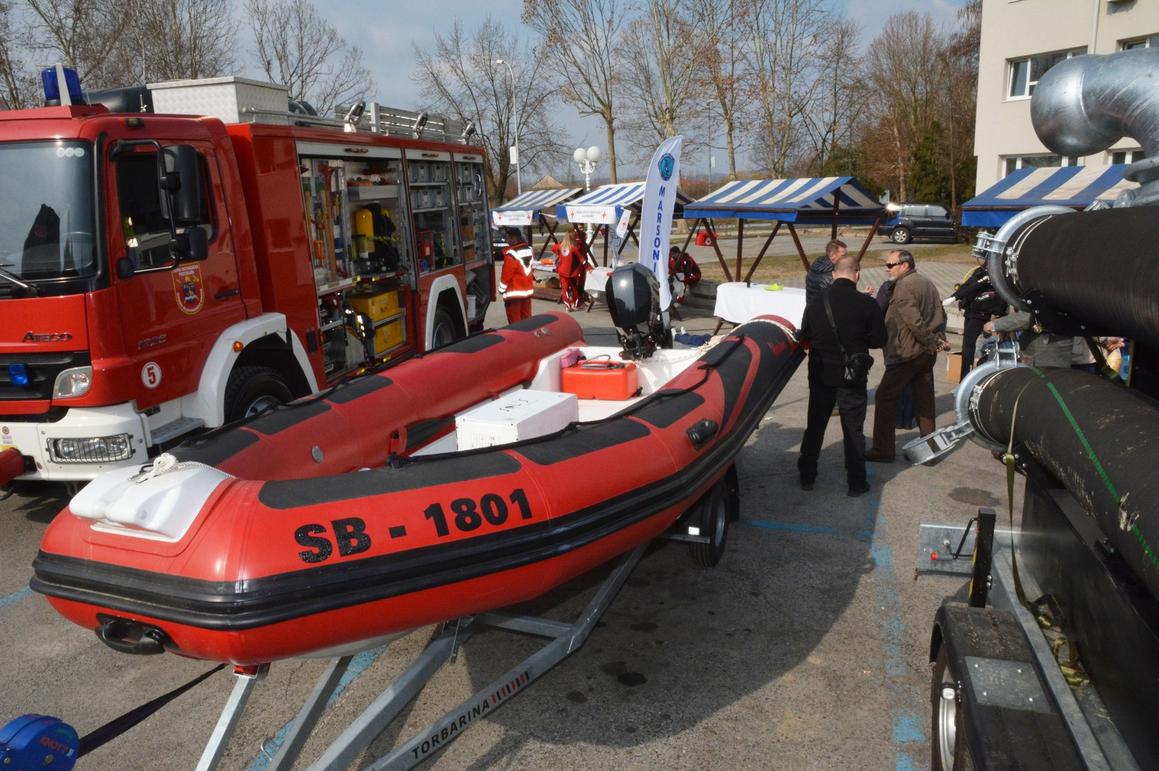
[198,252]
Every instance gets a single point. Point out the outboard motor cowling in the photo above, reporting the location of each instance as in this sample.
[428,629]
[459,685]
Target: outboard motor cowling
[634,302]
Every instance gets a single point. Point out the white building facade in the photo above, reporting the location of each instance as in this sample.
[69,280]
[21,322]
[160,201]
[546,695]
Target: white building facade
[1021,39]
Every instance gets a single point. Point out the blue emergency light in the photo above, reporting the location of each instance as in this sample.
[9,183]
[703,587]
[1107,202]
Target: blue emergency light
[50,82]
[18,374]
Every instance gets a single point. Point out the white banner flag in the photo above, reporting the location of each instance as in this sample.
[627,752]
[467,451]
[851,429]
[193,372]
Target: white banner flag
[656,212]
[620,235]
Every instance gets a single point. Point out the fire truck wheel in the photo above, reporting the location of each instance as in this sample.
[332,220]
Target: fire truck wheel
[443,332]
[252,390]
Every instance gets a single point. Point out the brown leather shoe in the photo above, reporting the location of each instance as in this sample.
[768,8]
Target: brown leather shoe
[877,456]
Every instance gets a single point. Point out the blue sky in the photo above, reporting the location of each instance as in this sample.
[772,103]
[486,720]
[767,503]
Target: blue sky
[386,30]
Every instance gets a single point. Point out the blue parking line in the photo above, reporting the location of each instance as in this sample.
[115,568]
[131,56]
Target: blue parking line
[906,724]
[15,597]
[358,665]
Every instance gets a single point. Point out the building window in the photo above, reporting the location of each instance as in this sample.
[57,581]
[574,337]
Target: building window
[1015,162]
[1125,156]
[1027,71]
[1151,41]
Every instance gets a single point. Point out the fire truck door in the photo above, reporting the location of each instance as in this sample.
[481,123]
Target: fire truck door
[171,311]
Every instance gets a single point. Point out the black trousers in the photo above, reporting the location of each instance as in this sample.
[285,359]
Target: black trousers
[851,400]
[971,328]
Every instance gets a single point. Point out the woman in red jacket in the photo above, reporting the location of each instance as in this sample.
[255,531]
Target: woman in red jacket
[683,269]
[570,266]
[516,283]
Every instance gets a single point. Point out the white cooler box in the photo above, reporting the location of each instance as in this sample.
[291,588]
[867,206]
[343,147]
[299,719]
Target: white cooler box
[517,416]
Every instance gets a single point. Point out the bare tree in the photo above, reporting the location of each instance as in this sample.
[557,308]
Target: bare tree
[581,44]
[80,33]
[17,81]
[959,100]
[781,57]
[172,40]
[906,69]
[839,102]
[463,76]
[722,25]
[298,48]
[661,80]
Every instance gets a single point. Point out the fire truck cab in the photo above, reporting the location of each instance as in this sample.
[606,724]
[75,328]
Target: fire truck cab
[185,266]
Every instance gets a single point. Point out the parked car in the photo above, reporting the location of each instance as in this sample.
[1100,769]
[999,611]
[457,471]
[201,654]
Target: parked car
[914,221]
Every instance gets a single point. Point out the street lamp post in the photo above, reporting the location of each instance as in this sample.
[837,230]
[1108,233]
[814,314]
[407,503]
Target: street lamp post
[514,152]
[587,160]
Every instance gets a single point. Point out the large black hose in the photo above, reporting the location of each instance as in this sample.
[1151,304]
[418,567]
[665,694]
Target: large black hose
[1098,267]
[1098,438]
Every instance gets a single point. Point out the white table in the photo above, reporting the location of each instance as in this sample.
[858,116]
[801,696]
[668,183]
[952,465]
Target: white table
[738,303]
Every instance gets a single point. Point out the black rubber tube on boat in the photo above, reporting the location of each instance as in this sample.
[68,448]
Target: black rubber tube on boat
[1100,267]
[1098,438]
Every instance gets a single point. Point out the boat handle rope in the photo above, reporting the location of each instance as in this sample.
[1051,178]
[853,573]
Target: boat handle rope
[163,464]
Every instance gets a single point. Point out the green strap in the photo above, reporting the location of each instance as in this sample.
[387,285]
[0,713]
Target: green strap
[1008,460]
[1119,500]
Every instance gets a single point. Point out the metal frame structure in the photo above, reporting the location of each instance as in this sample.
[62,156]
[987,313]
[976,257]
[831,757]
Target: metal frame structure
[564,639]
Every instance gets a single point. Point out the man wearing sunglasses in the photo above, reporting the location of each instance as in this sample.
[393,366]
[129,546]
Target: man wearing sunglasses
[915,324]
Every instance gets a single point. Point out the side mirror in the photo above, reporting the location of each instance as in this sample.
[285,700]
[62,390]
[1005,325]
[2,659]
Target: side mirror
[179,184]
[125,268]
[193,244]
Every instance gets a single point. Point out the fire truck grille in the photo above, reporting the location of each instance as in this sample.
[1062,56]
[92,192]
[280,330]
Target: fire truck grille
[25,378]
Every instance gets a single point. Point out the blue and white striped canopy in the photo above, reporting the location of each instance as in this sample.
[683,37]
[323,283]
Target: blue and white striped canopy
[530,206]
[606,203]
[805,200]
[1075,186]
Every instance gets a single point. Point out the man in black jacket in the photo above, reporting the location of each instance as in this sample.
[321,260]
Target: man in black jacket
[979,303]
[820,274]
[857,326]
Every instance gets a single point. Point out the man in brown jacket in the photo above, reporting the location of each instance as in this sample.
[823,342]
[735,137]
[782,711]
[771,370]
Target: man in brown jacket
[915,323]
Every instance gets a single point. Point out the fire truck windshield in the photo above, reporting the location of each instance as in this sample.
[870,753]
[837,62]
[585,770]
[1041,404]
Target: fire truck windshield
[47,230]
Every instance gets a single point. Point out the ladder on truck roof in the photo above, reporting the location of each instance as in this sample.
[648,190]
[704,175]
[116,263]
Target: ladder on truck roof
[390,121]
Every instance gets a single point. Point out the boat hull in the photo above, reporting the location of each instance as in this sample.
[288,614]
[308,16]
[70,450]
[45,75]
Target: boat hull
[278,568]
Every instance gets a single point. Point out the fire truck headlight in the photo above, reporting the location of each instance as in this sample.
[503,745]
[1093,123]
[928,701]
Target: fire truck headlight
[92,449]
[72,383]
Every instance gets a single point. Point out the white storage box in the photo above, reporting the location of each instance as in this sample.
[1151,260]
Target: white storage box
[514,417]
[231,99]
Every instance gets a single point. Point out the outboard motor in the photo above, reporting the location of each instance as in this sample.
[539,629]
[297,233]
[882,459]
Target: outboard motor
[634,302]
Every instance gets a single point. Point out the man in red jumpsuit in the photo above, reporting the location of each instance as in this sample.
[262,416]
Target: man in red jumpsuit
[516,282]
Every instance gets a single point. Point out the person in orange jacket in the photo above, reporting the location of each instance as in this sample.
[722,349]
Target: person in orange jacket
[516,283]
[571,267]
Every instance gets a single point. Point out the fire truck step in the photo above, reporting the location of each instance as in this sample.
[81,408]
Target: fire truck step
[176,428]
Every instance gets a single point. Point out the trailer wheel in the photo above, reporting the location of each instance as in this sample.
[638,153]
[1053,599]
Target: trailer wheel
[443,331]
[252,390]
[712,516]
[949,751]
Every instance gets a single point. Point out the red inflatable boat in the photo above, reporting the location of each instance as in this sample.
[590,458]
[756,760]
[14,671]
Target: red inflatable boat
[378,506]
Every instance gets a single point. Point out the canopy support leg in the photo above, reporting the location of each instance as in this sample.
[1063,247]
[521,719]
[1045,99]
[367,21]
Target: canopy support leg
[800,249]
[753,268]
[550,238]
[872,233]
[711,227]
[739,244]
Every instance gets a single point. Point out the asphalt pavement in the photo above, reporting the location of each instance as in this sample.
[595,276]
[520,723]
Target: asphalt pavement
[806,647]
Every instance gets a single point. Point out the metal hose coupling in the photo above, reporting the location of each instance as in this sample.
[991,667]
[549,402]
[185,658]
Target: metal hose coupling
[926,450]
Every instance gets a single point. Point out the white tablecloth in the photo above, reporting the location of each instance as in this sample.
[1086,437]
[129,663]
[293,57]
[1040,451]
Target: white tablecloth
[738,303]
